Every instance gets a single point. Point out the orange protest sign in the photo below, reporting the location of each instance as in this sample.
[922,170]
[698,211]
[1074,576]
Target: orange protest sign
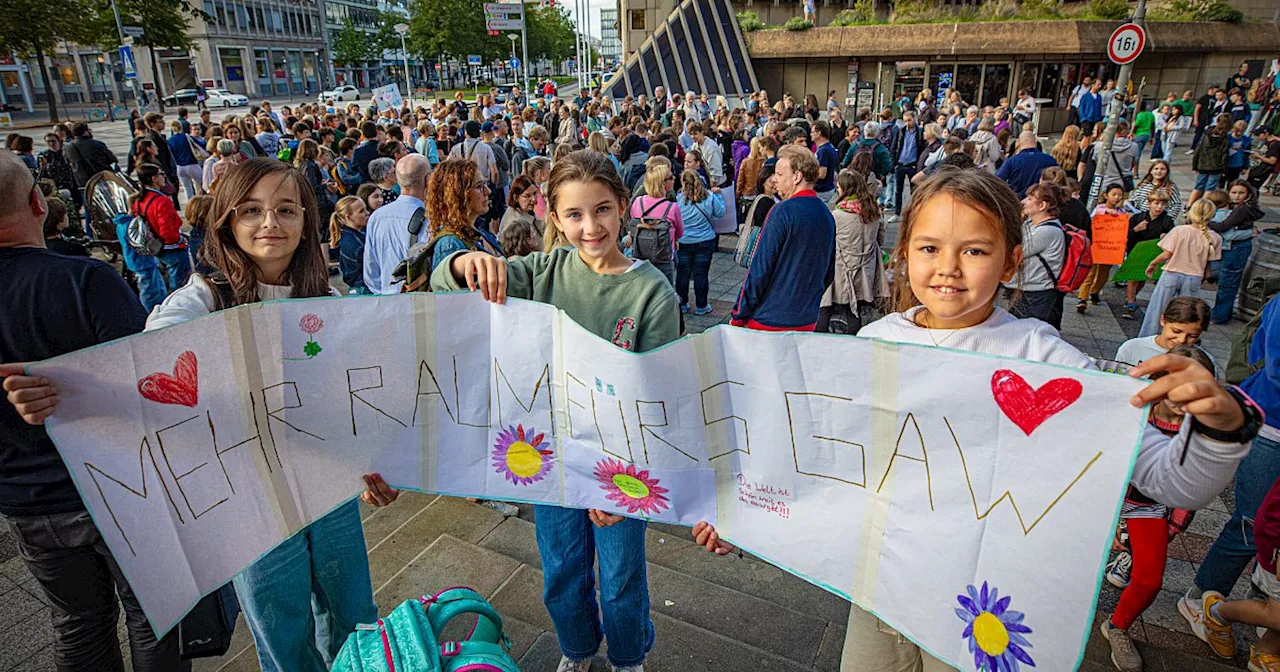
[1109,235]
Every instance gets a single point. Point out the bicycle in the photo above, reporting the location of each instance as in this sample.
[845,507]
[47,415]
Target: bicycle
[100,113]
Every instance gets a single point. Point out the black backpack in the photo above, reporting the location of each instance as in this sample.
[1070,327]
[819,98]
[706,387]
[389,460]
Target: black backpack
[651,236]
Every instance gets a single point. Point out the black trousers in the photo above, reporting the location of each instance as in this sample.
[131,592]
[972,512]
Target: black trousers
[1045,305]
[901,179]
[80,579]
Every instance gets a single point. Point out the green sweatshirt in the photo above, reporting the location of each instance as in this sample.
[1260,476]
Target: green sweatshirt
[636,310]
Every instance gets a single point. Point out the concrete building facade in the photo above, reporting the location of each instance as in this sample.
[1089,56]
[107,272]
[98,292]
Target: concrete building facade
[262,47]
[610,37]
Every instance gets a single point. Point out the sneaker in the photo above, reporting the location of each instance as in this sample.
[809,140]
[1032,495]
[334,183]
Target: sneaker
[1190,152]
[633,668]
[567,665]
[1263,662]
[1082,306]
[1124,655]
[508,510]
[1217,635]
[1129,310]
[1118,570]
[705,310]
[1095,299]
[684,308]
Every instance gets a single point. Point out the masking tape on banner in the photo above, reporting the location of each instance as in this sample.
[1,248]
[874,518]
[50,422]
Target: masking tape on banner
[884,422]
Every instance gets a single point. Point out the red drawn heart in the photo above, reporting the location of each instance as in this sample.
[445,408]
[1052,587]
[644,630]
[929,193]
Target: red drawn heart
[180,388]
[1028,407]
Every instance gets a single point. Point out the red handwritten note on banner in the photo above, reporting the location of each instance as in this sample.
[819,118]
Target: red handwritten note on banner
[1109,235]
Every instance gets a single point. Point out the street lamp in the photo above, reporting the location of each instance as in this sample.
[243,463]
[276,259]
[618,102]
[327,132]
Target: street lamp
[402,29]
[106,89]
[513,37]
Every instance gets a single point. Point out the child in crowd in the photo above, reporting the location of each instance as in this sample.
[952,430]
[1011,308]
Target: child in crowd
[935,246]
[1098,274]
[1151,223]
[1183,321]
[1211,615]
[346,234]
[1238,143]
[1188,249]
[1148,527]
[197,216]
[631,304]
[520,237]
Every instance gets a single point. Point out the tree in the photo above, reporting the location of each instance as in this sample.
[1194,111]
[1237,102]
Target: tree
[351,45]
[455,28]
[550,32]
[33,28]
[164,24]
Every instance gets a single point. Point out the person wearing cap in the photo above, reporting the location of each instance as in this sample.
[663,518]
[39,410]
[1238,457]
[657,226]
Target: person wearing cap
[1267,151]
[475,149]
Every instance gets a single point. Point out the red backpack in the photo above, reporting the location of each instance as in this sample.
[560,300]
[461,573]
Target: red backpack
[1078,261]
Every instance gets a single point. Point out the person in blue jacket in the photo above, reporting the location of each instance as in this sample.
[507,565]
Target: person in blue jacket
[1091,104]
[795,256]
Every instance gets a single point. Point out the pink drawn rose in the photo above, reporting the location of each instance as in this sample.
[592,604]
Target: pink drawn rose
[311,323]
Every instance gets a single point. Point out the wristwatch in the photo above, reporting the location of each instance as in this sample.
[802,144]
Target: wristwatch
[1253,420]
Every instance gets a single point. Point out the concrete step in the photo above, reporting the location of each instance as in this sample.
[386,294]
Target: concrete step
[685,597]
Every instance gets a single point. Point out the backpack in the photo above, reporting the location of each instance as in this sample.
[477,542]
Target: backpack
[634,176]
[337,181]
[748,236]
[284,154]
[1076,265]
[408,638]
[141,237]
[651,236]
[1238,365]
[415,270]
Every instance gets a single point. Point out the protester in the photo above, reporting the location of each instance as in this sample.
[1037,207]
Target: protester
[1091,291]
[699,208]
[631,305]
[1267,154]
[371,135]
[1187,251]
[1023,168]
[387,238]
[908,142]
[828,163]
[382,174]
[859,281]
[1238,153]
[51,305]
[156,209]
[1210,158]
[521,204]
[1150,223]
[795,257]
[346,232]
[1237,231]
[371,194]
[1034,290]
[88,156]
[55,225]
[654,206]
[1158,178]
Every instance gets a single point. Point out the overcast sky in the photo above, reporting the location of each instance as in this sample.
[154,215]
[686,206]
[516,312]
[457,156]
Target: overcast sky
[593,26]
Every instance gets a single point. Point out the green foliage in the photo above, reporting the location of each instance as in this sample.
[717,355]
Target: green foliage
[797,23]
[351,45]
[1198,10]
[456,28]
[1039,9]
[164,23]
[550,32]
[1111,10]
[750,22]
[863,13]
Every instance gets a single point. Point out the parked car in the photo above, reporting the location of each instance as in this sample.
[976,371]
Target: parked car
[181,97]
[224,98]
[340,93]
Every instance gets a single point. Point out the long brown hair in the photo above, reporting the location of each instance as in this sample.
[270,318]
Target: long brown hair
[307,273]
[853,185]
[977,189]
[447,199]
[583,166]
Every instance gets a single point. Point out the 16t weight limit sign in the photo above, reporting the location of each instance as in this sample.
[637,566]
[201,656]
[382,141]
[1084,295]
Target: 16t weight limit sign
[1126,43]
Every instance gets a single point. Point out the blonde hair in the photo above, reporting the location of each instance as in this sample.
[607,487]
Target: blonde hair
[655,176]
[338,219]
[757,148]
[1200,214]
[1067,151]
[596,142]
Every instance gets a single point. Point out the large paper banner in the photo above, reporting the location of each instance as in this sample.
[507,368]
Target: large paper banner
[968,500]
[1109,235]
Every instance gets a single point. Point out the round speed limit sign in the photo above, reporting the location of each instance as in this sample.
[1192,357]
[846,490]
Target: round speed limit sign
[1126,43]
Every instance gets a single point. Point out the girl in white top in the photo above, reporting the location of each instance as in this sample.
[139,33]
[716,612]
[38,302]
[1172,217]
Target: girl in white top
[960,239]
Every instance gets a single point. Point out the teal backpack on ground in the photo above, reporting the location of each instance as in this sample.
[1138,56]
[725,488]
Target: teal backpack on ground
[408,639]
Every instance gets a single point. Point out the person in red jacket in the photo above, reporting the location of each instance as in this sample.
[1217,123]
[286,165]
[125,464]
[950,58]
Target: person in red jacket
[156,207]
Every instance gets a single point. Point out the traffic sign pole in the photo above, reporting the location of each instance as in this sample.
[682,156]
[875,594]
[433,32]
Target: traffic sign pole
[1123,47]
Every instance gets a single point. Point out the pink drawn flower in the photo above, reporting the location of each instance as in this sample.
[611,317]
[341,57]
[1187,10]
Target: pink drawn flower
[311,323]
[521,456]
[631,488]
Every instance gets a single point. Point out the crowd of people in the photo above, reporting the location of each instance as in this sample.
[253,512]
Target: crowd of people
[610,210]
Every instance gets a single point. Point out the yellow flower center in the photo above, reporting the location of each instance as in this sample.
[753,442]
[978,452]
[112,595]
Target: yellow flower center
[990,634]
[523,460]
[631,486]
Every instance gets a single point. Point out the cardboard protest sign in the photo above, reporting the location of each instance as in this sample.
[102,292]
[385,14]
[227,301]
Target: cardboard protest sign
[1135,264]
[860,465]
[387,97]
[1109,234]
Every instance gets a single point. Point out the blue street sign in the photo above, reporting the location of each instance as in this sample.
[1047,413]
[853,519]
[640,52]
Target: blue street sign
[473,59]
[126,61]
[514,63]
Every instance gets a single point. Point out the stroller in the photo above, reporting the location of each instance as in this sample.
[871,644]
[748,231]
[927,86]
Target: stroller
[106,195]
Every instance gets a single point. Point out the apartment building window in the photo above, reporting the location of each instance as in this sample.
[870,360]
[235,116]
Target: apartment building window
[637,19]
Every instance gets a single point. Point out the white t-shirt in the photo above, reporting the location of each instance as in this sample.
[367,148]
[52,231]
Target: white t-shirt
[195,299]
[1138,350]
[1157,471]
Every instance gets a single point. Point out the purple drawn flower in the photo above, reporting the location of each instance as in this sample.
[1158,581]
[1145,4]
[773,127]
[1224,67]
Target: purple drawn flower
[994,632]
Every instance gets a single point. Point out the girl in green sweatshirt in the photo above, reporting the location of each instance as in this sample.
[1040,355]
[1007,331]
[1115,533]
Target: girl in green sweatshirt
[631,304]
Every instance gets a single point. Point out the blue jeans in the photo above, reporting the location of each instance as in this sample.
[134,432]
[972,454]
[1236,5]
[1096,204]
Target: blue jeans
[305,596]
[1141,141]
[1157,145]
[151,288]
[569,545]
[1229,272]
[1170,286]
[668,269]
[1207,181]
[177,267]
[694,259]
[1233,549]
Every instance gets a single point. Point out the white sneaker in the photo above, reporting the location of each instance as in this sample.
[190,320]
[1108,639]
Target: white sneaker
[567,665]
[1118,570]
[629,668]
[508,510]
